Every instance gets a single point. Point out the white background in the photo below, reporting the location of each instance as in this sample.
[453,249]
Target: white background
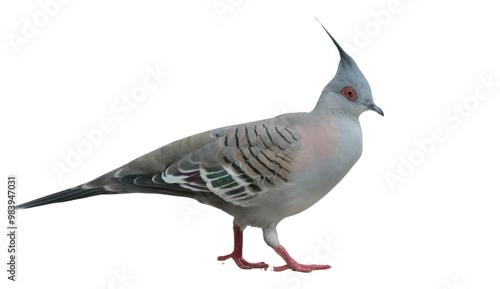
[437,229]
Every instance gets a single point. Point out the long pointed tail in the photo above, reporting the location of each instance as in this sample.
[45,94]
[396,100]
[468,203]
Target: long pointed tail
[64,196]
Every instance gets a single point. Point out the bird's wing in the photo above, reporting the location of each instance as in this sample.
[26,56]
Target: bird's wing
[236,164]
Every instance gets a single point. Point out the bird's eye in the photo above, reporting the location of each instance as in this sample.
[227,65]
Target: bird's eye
[349,93]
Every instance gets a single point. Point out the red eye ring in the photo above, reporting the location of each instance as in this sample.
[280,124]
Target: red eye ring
[349,93]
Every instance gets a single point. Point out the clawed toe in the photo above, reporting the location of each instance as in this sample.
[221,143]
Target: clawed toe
[301,267]
[242,263]
[294,265]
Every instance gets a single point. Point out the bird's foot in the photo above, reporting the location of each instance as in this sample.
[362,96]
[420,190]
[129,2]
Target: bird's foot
[294,265]
[242,263]
[301,267]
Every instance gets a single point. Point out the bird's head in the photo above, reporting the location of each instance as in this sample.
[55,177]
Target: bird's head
[348,92]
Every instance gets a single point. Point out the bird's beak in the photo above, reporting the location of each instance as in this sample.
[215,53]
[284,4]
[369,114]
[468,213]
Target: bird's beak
[374,107]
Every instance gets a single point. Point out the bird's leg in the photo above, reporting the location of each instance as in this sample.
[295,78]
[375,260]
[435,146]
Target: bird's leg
[237,253]
[271,238]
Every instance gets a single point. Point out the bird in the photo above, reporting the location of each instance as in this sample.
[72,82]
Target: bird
[259,172]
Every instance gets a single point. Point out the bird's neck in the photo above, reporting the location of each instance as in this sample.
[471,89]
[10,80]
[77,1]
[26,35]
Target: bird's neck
[326,108]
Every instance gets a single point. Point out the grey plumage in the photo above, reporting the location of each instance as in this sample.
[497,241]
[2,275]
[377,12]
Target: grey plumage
[259,172]
[233,164]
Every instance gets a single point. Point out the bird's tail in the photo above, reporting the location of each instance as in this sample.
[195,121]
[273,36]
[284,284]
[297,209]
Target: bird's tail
[111,184]
[63,196]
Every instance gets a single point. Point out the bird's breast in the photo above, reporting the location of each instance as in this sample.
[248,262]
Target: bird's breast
[335,143]
[329,151]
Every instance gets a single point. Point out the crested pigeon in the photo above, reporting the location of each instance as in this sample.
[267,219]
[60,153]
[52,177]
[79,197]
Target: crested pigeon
[259,172]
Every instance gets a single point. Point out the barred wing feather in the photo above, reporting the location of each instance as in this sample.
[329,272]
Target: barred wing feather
[244,162]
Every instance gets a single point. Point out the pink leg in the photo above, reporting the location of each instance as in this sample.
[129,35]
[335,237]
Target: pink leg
[292,264]
[237,256]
